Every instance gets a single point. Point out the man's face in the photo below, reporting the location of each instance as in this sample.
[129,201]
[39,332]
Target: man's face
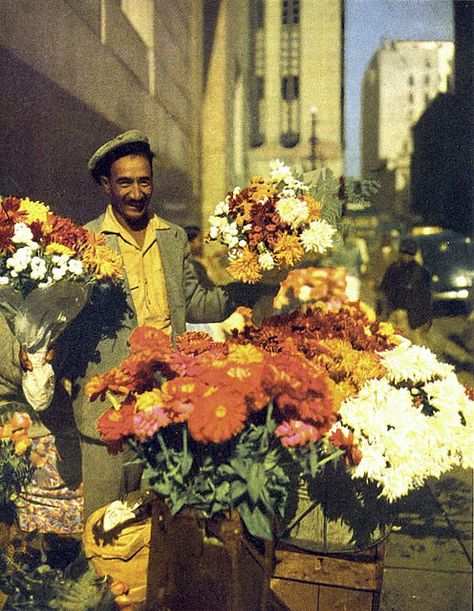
[130,187]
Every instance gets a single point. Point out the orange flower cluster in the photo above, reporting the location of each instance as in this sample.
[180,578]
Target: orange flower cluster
[57,235]
[215,388]
[16,430]
[310,285]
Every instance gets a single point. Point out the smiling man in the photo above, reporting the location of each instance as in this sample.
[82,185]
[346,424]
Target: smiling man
[161,290]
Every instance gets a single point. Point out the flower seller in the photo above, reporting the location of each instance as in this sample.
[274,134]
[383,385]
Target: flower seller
[161,290]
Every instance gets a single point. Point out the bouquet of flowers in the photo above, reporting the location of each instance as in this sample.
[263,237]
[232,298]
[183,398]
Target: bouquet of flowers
[272,224]
[16,462]
[47,265]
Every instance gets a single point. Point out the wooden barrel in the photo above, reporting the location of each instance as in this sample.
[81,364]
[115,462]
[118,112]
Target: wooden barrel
[336,514]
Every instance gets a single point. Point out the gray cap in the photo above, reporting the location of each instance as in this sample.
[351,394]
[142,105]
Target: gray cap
[129,137]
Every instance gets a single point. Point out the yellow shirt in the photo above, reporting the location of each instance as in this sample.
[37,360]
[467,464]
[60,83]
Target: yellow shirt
[144,271]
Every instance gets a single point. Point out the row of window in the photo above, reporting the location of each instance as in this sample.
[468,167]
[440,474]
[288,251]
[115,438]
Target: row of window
[290,12]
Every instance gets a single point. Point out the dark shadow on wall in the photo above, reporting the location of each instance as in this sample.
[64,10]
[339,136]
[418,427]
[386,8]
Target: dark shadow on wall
[46,138]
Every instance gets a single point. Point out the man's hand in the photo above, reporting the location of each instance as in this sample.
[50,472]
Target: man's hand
[25,362]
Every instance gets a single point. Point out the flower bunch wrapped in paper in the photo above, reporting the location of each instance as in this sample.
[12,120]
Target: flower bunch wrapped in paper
[47,266]
[273,224]
[218,425]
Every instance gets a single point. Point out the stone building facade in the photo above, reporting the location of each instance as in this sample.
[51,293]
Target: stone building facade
[297,84]
[403,79]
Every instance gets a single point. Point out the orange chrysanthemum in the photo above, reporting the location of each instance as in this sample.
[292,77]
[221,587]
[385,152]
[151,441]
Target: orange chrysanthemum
[102,262]
[246,267]
[288,250]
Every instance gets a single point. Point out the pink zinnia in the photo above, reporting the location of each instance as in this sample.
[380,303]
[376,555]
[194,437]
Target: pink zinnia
[297,433]
[146,423]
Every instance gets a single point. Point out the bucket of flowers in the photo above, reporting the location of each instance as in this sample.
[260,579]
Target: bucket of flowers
[403,417]
[47,267]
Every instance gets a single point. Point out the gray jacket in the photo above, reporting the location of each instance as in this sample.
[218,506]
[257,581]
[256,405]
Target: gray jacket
[97,339]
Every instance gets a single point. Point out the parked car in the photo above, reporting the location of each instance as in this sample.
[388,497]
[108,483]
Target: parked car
[449,257]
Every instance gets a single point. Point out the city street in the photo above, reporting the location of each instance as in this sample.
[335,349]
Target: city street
[428,560]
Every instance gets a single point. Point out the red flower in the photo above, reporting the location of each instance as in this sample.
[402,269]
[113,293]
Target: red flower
[114,426]
[353,455]
[152,340]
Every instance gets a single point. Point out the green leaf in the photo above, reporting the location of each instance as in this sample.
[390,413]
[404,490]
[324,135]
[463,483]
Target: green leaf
[255,482]
[258,523]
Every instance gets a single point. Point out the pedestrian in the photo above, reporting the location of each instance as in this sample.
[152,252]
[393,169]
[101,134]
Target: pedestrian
[161,290]
[404,297]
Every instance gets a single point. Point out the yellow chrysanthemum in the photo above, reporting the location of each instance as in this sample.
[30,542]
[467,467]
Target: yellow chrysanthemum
[246,267]
[102,262]
[368,311]
[58,249]
[150,398]
[262,189]
[288,250]
[35,211]
[245,354]
[314,207]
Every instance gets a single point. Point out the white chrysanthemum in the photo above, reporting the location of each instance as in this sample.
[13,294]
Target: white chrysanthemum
[293,211]
[213,233]
[4,280]
[392,435]
[48,281]
[60,260]
[20,259]
[75,267]
[447,393]
[280,171]
[221,208]
[58,273]
[266,261]
[318,237]
[22,234]
[413,363]
[38,268]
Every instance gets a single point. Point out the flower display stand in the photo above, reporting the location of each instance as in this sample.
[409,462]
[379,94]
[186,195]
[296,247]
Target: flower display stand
[198,563]
[305,580]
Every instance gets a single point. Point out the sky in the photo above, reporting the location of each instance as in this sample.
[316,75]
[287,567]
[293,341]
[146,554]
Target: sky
[368,23]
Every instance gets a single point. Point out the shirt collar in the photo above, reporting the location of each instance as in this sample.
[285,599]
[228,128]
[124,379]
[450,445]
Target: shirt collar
[110,223]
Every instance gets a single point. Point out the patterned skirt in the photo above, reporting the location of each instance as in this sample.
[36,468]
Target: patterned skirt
[47,505]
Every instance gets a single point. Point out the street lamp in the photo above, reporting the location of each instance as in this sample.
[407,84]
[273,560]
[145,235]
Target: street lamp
[313,140]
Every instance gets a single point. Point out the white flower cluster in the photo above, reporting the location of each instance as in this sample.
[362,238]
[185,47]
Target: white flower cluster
[408,362]
[282,173]
[401,444]
[30,263]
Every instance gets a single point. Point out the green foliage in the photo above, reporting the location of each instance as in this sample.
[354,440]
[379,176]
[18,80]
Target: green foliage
[15,473]
[31,583]
[326,190]
[250,473]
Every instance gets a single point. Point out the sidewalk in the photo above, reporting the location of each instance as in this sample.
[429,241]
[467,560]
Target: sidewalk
[428,561]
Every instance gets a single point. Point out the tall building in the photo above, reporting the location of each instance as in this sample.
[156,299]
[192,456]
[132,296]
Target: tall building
[442,186]
[74,73]
[296,84]
[401,82]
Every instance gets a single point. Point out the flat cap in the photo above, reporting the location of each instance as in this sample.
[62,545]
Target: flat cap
[131,136]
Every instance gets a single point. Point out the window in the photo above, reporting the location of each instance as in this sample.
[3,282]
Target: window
[411,80]
[290,12]
[290,87]
[411,98]
[427,79]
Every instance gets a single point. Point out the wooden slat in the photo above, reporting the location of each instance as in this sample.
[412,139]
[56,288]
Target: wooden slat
[327,570]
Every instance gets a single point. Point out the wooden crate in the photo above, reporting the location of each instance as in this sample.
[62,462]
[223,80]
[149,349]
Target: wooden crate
[205,564]
[304,581]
